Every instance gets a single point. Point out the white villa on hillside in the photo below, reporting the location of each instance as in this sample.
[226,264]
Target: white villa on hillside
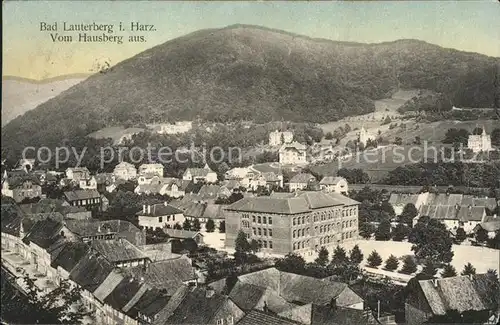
[196,175]
[152,169]
[125,171]
[364,136]
[480,142]
[334,184]
[293,154]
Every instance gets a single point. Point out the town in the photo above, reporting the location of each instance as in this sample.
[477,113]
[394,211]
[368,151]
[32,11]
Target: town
[269,242]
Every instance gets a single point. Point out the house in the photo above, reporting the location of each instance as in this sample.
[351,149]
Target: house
[277,138]
[428,298]
[105,182]
[173,128]
[478,143]
[293,154]
[159,216]
[398,201]
[170,186]
[184,234]
[197,175]
[154,169]
[454,216]
[149,305]
[26,164]
[203,306]
[22,188]
[90,230]
[364,136]
[237,173]
[301,181]
[125,171]
[299,222]
[88,184]
[490,223]
[334,184]
[75,174]
[90,199]
[119,252]
[55,206]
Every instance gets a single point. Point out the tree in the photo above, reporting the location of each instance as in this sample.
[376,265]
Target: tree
[461,235]
[477,131]
[186,225]
[254,246]
[417,141]
[495,137]
[386,121]
[210,225]
[432,241]
[292,263]
[241,243]
[481,235]
[38,307]
[196,225]
[429,268]
[366,230]
[398,141]
[409,265]
[495,241]
[400,232]
[339,256]
[493,273]
[448,271]
[408,214]
[391,263]
[222,226]
[322,258]
[328,136]
[374,259]
[356,256]
[383,231]
[177,226]
[468,269]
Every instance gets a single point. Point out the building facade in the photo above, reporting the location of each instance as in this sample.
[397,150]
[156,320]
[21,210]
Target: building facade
[159,216]
[479,143]
[300,223]
[364,136]
[293,154]
[278,138]
[153,169]
[125,171]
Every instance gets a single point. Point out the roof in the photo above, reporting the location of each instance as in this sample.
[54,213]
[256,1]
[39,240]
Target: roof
[91,271]
[302,178]
[70,255]
[489,203]
[294,203]
[117,250]
[86,228]
[246,295]
[82,195]
[160,210]
[198,172]
[151,302]
[44,233]
[403,199]
[179,233]
[126,289]
[490,226]
[13,218]
[325,315]
[293,145]
[17,181]
[257,317]
[125,164]
[471,213]
[169,274]
[444,199]
[196,308]
[331,180]
[172,304]
[210,191]
[462,293]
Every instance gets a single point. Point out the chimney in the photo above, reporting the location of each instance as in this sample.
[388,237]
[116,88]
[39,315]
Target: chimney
[149,208]
[143,208]
[209,292]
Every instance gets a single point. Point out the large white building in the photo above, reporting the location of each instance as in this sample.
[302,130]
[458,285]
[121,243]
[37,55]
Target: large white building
[277,138]
[125,171]
[364,136]
[152,169]
[480,142]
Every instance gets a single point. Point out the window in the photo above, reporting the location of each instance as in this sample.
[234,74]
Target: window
[259,219]
[294,221]
[270,220]
[230,320]
[265,231]
[270,232]
[270,244]
[265,244]
[303,220]
[303,232]
[160,219]
[294,233]
[254,231]
[265,220]
[253,218]
[260,231]
[220,322]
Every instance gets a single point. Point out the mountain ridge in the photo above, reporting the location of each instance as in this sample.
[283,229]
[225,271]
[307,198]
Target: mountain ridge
[255,73]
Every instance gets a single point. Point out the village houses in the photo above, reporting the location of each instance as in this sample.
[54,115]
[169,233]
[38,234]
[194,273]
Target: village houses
[293,153]
[277,138]
[125,171]
[159,216]
[21,188]
[334,184]
[152,169]
[197,175]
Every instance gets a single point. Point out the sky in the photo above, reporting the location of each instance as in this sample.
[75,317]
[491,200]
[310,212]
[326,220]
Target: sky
[31,53]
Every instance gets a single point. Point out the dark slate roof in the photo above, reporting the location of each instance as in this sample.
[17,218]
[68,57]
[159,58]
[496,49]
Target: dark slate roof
[181,234]
[302,178]
[158,210]
[403,199]
[326,315]
[490,226]
[196,308]
[123,293]
[169,274]
[462,293]
[44,233]
[257,317]
[70,254]
[172,304]
[331,180]
[81,195]
[117,250]
[489,203]
[151,302]
[245,295]
[85,228]
[91,271]
[17,181]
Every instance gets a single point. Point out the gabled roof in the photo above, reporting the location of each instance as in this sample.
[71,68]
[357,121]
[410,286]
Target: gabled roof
[325,315]
[403,199]
[302,178]
[462,293]
[490,226]
[151,302]
[256,317]
[182,234]
[70,255]
[126,289]
[293,145]
[44,233]
[91,271]
[168,275]
[86,228]
[158,210]
[82,195]
[331,180]
[117,250]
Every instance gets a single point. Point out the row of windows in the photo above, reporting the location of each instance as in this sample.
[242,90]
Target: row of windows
[263,220]
[265,243]
[262,232]
[300,245]
[348,235]
[323,228]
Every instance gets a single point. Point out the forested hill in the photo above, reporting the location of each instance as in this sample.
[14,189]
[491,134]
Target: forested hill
[253,73]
